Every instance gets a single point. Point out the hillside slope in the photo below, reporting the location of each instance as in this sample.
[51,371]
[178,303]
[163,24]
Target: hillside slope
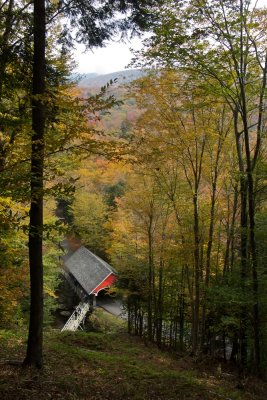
[109,364]
[120,119]
[122,77]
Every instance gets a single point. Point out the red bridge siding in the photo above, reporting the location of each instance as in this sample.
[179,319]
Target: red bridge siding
[105,284]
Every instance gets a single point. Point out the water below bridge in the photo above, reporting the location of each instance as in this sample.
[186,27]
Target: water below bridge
[111,305]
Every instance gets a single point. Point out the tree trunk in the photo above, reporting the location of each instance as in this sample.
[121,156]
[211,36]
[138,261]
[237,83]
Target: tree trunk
[5,52]
[181,312]
[160,305]
[150,280]
[209,250]
[35,338]
[253,247]
[232,209]
[5,42]
[197,277]
[243,243]
[243,272]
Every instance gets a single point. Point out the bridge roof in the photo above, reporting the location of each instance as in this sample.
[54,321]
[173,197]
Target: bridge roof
[88,269]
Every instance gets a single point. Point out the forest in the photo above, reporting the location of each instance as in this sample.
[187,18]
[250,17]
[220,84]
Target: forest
[163,174]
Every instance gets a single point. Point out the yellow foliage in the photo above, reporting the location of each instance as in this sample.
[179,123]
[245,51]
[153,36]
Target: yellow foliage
[49,292]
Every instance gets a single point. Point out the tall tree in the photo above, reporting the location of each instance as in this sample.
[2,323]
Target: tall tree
[96,23]
[35,338]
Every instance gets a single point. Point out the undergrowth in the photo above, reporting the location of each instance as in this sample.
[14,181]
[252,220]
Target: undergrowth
[107,364]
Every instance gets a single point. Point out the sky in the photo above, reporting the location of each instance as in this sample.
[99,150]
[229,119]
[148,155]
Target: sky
[114,57]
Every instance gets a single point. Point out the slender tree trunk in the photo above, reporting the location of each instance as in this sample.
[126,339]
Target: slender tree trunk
[182,312]
[35,338]
[5,42]
[160,304]
[250,164]
[243,243]
[150,280]
[130,315]
[228,259]
[209,250]
[197,276]
[244,272]
[253,248]
[4,55]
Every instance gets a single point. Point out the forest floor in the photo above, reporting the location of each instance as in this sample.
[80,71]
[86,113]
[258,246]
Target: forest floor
[109,364]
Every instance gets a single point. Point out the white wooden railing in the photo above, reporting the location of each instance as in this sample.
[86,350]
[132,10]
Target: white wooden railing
[77,317]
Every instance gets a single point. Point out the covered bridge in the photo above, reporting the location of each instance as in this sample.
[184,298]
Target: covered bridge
[87,274]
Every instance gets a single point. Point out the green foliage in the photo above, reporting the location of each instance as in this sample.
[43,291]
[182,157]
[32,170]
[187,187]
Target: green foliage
[114,192]
[13,267]
[90,216]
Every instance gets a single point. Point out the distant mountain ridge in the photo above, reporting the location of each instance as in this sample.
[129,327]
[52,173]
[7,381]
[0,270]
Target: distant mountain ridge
[93,80]
[121,118]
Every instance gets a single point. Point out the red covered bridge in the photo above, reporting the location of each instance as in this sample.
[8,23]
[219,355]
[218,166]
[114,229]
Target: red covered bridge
[87,274]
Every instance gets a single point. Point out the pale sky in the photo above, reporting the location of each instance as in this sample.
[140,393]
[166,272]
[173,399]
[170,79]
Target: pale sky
[115,56]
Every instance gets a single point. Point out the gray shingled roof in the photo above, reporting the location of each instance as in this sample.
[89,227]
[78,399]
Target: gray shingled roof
[87,268]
